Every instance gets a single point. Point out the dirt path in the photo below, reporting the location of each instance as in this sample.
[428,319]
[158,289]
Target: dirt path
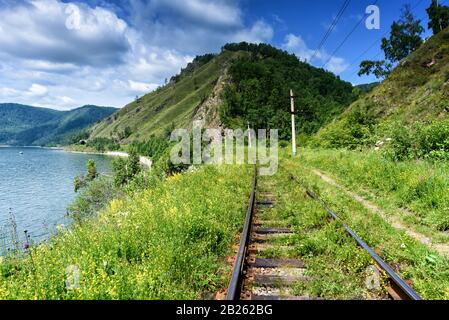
[443,249]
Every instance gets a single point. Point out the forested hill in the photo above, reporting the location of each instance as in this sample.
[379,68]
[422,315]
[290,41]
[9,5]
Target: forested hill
[259,91]
[27,125]
[244,83]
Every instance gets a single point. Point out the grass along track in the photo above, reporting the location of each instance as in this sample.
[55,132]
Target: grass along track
[426,269]
[411,192]
[396,222]
[297,252]
[167,242]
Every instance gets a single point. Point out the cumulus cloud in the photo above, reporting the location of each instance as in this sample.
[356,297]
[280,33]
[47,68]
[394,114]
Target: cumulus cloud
[66,54]
[295,44]
[37,90]
[194,26]
[63,33]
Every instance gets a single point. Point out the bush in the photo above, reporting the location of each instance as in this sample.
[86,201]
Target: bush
[421,141]
[153,148]
[103,144]
[168,242]
[93,197]
[125,169]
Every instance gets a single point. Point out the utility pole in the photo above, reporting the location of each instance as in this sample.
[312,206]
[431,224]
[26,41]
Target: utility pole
[292,101]
[249,137]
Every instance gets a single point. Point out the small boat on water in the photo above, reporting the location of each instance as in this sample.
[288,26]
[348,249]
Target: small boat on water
[21,152]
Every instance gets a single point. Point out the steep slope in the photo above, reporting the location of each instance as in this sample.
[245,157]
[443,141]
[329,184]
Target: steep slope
[27,125]
[416,91]
[244,83]
[174,105]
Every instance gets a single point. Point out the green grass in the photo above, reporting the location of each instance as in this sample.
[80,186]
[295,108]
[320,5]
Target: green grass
[415,261]
[335,265]
[412,93]
[169,242]
[421,187]
[174,104]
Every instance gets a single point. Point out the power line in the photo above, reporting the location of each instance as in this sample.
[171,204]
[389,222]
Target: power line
[331,28]
[347,36]
[380,39]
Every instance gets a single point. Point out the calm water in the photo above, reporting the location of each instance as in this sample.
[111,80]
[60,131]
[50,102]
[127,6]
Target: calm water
[37,185]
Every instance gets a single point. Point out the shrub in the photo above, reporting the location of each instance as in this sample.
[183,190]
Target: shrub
[93,197]
[125,169]
[421,141]
[103,144]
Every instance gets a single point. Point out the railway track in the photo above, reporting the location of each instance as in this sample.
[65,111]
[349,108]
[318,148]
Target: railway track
[255,277]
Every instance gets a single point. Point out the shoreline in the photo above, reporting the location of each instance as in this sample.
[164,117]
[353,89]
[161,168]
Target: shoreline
[147,162]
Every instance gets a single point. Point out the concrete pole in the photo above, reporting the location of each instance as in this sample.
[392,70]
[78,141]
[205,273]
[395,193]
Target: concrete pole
[292,100]
[249,137]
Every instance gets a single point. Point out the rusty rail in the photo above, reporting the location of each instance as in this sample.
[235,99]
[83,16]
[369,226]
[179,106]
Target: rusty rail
[235,286]
[399,286]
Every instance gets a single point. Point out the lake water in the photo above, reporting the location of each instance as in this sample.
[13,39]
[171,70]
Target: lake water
[36,185]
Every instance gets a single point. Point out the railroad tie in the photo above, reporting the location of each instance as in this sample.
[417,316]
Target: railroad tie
[278,280]
[266,231]
[275,263]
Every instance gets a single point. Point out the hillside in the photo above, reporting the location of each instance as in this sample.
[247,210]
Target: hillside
[417,91]
[244,83]
[27,125]
[174,105]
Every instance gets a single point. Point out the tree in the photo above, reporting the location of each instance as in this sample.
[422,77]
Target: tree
[438,17]
[125,169]
[82,181]
[92,173]
[405,38]
[380,69]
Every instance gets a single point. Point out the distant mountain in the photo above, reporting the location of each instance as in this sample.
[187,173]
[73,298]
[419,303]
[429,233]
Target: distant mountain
[27,125]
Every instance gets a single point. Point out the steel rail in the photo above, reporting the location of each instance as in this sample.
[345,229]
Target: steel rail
[404,287]
[235,285]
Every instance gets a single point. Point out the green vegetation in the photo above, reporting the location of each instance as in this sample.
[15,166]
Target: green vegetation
[26,125]
[438,17]
[167,242]
[92,198]
[366,88]
[335,266]
[415,92]
[405,38]
[152,148]
[427,270]
[414,190]
[82,181]
[245,82]
[173,105]
[419,141]
[260,86]
[126,169]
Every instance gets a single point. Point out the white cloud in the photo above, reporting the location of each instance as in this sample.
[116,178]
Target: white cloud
[64,55]
[38,31]
[8,92]
[295,44]
[141,87]
[216,13]
[259,32]
[37,90]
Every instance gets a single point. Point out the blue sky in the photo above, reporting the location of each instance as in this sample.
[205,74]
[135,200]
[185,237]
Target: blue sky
[64,54]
